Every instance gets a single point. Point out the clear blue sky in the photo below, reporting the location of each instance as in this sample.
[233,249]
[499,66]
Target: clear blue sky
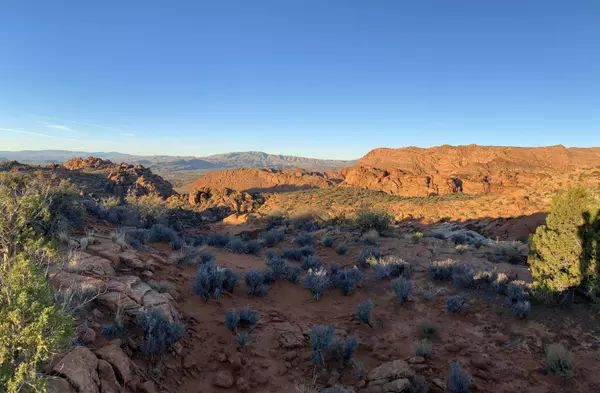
[321,78]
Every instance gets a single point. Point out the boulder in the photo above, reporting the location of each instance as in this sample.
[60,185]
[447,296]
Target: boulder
[86,263]
[223,379]
[79,367]
[58,385]
[391,371]
[108,380]
[113,354]
[398,386]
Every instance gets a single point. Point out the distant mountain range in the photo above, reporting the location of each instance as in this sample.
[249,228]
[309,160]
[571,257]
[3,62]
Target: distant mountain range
[249,159]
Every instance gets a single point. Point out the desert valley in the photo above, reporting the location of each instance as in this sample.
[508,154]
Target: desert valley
[411,270]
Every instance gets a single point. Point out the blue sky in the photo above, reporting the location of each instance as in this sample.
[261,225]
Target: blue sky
[320,78]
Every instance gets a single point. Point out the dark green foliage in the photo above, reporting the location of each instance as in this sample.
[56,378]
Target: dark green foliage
[268,276]
[243,317]
[162,233]
[252,246]
[463,277]
[242,338]
[516,291]
[292,273]
[320,339]
[428,329]
[218,240]
[137,238]
[232,319]
[358,370]
[271,237]
[460,381]
[341,249]
[159,333]
[347,280]
[278,265]
[521,309]
[422,348]
[389,267]
[255,282]
[349,348]
[113,330]
[364,311]
[327,241]
[275,221]
[310,263]
[317,281]
[455,303]
[307,251]
[559,361]
[303,239]
[334,269]
[365,254]
[442,270]
[292,253]
[565,253]
[367,220]
[177,244]
[401,287]
[500,282]
[207,256]
[211,280]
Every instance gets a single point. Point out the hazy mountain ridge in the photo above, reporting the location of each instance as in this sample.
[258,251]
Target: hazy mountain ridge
[251,159]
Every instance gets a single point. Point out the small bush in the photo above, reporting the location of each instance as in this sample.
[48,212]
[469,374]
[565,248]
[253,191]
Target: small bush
[358,370]
[211,280]
[347,280]
[371,238]
[559,360]
[137,238]
[218,240]
[268,276]
[455,303]
[460,381]
[252,246]
[271,237]
[187,256]
[389,267]
[485,277]
[516,291]
[292,273]
[341,249]
[442,270]
[207,256]
[275,221]
[365,254]
[334,269]
[320,339]
[463,277]
[379,221]
[303,239]
[292,253]
[113,330]
[422,348]
[521,309]
[364,311]
[307,251]
[162,233]
[428,329]
[255,282]
[278,265]
[242,338]
[310,263]
[159,333]
[500,283]
[248,316]
[327,241]
[316,281]
[232,319]
[349,349]
[416,237]
[401,287]
[304,222]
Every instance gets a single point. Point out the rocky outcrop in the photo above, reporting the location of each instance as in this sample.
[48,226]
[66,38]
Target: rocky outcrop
[79,367]
[86,163]
[255,180]
[231,200]
[138,180]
